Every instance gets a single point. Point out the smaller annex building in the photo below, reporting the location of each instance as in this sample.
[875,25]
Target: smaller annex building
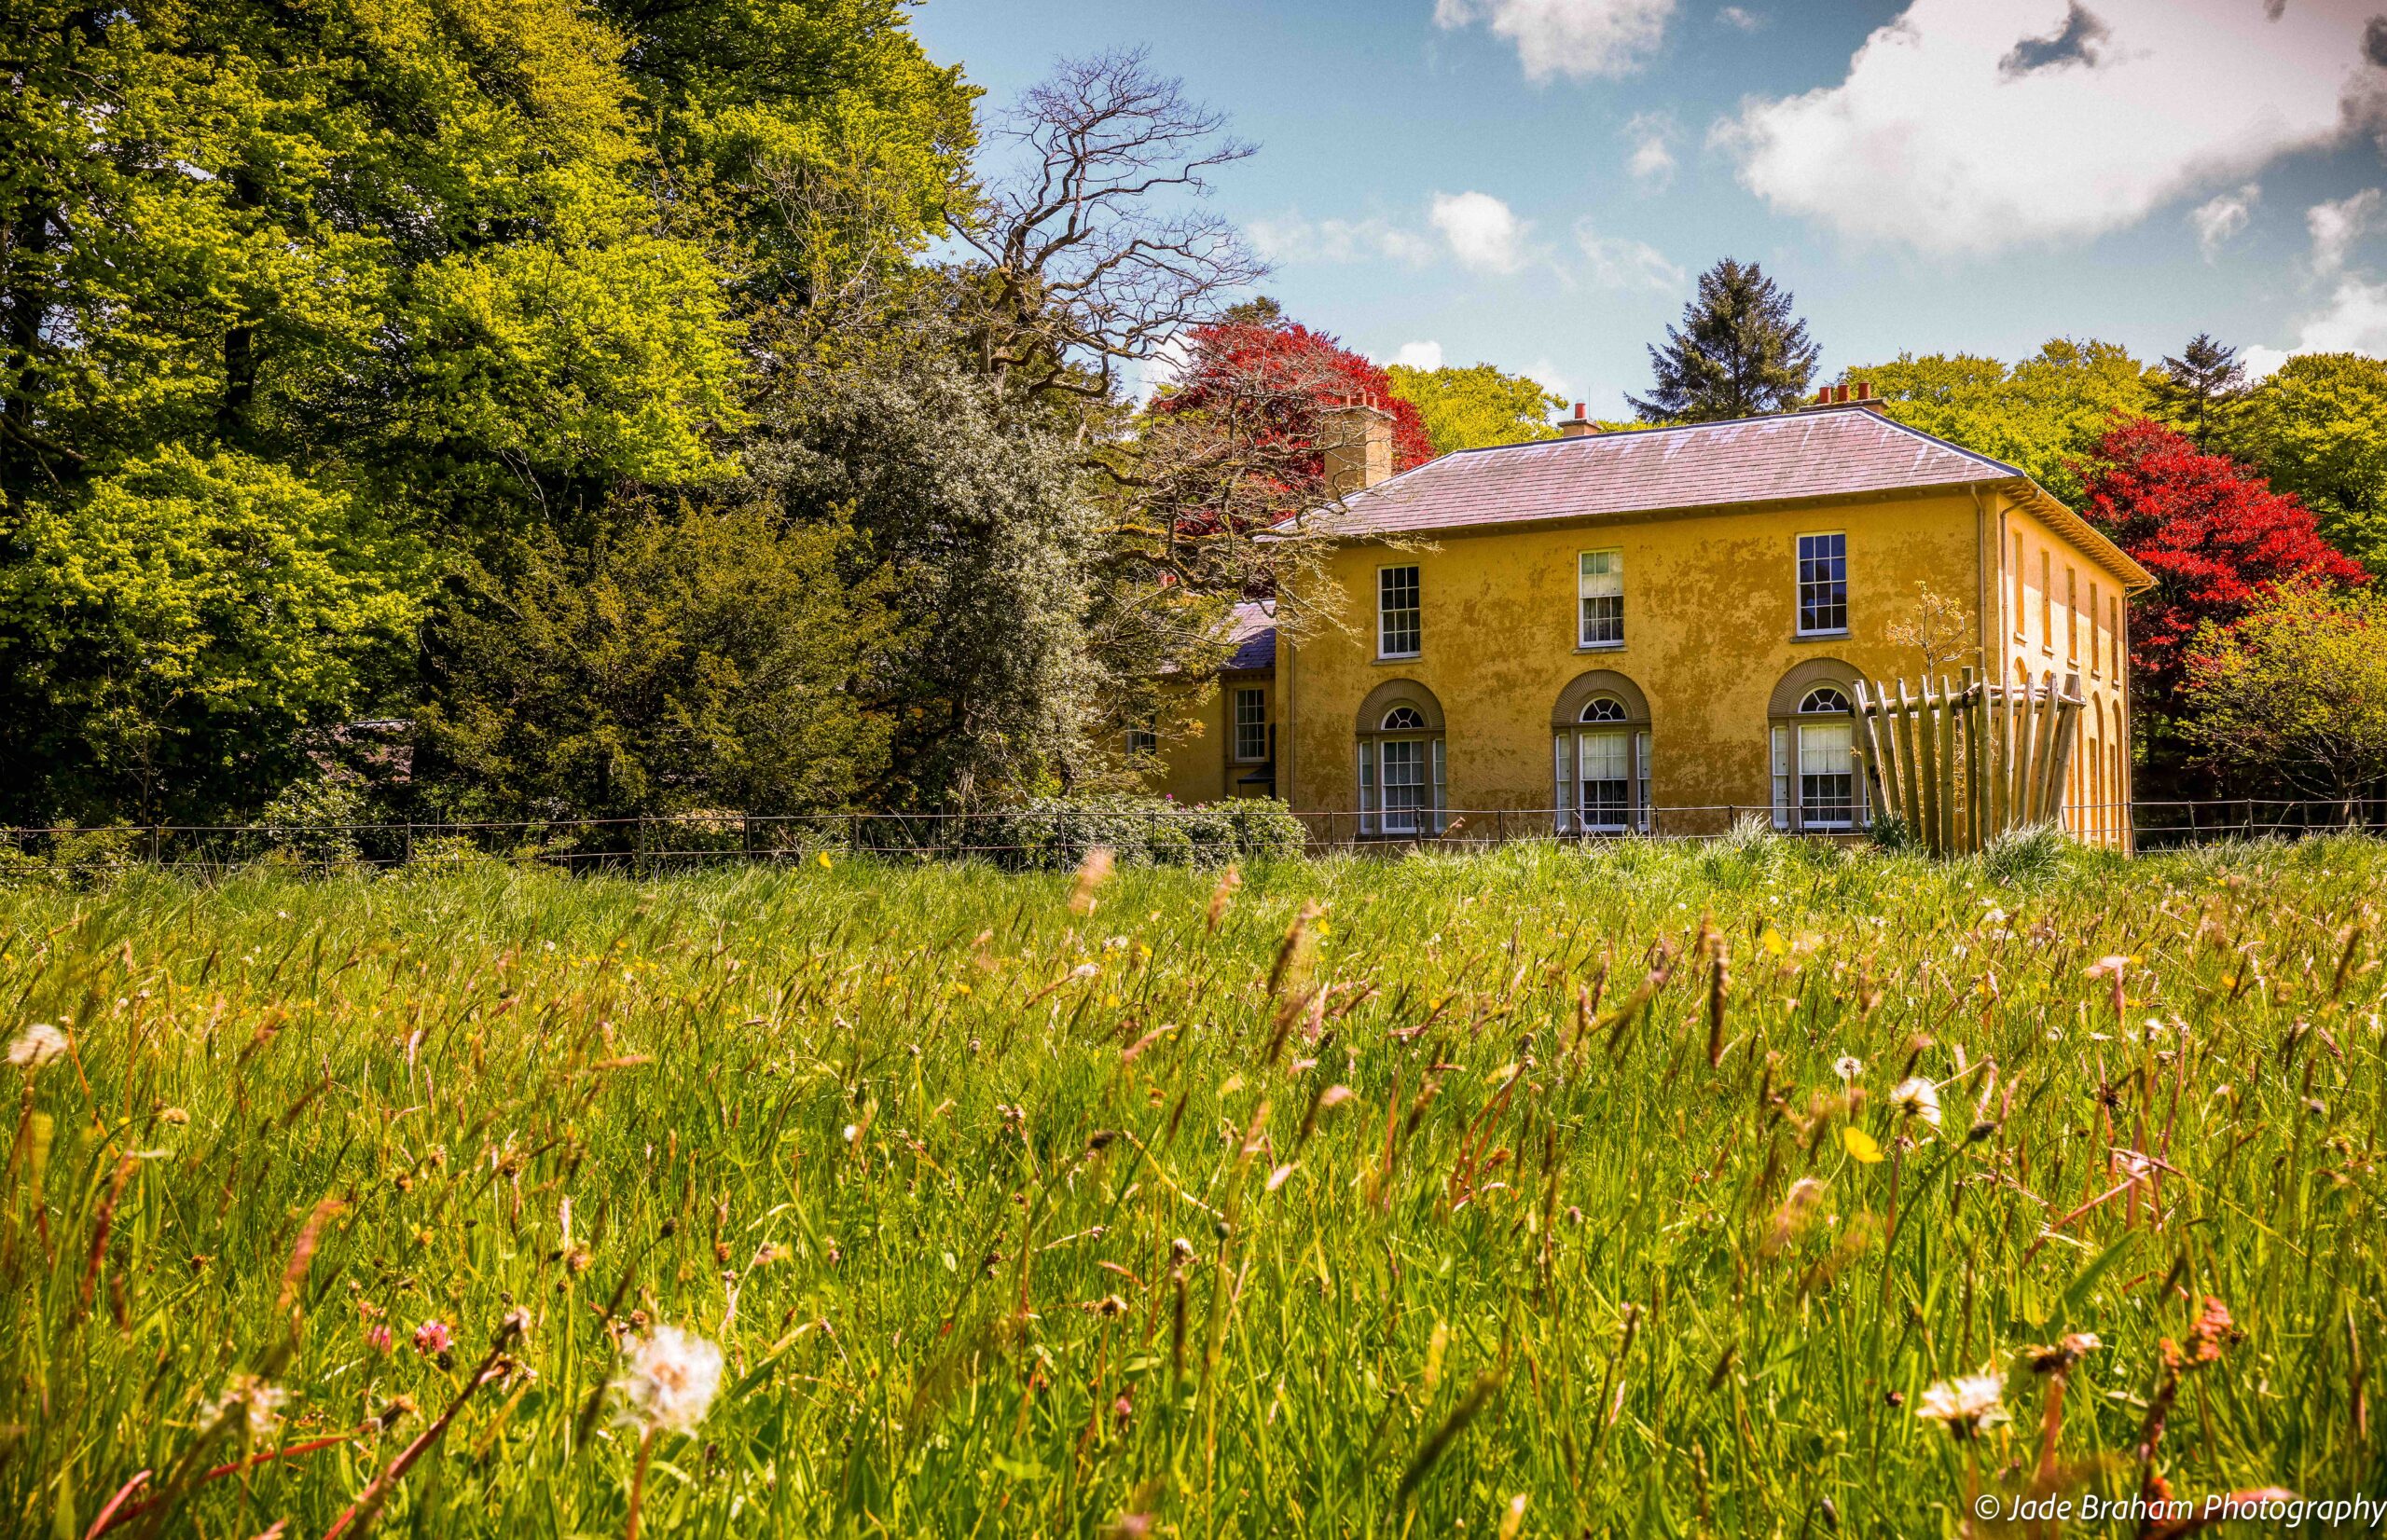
[1654,631]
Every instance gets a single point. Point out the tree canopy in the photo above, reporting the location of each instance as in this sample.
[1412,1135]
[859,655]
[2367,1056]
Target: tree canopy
[2041,415]
[1475,407]
[1740,350]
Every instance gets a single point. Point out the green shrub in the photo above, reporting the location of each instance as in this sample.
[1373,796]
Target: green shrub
[1057,831]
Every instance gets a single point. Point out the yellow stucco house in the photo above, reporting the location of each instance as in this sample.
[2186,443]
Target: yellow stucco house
[1652,631]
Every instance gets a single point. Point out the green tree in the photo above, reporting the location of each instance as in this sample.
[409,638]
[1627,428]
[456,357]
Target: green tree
[1739,352]
[1473,408]
[2041,415]
[2295,692]
[2199,390]
[2318,428]
[694,660]
[976,510]
[168,634]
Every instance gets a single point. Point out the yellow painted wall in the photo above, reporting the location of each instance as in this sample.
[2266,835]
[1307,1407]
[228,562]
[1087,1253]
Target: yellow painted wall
[2073,620]
[1197,743]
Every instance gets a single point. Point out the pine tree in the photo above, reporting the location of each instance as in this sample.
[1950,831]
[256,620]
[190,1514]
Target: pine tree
[1739,352]
[2206,381]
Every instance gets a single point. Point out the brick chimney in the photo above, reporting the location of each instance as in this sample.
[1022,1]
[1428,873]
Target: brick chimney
[1859,394]
[1578,426]
[1356,440]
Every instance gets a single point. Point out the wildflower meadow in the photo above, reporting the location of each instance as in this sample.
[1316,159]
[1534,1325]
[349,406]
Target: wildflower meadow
[1761,1187]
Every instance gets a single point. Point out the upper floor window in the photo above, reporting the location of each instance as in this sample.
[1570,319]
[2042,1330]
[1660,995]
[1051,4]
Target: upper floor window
[1142,742]
[1397,632]
[2071,614]
[1823,585]
[2020,609]
[1601,585]
[1250,726]
[2047,601]
[2096,631]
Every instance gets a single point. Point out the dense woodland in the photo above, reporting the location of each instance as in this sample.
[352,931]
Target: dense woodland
[525,409]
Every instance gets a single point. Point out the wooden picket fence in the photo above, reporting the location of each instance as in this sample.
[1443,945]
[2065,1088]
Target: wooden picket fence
[1967,760]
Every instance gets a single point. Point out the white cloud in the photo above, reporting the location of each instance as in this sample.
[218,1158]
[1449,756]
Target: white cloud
[1483,232]
[2221,219]
[1652,161]
[1571,37]
[1291,237]
[1740,16]
[2336,227]
[1542,372]
[1420,355]
[1616,262]
[1966,127]
[2354,321]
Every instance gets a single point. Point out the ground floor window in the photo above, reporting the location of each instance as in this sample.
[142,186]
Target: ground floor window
[1401,776]
[1816,783]
[1602,774]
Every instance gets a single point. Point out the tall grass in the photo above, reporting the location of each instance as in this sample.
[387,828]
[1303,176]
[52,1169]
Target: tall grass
[1529,1192]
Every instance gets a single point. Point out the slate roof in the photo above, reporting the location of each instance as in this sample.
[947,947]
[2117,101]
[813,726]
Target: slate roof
[1814,454]
[1252,628]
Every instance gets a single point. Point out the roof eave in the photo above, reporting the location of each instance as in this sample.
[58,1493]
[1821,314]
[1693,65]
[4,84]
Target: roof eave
[2100,546]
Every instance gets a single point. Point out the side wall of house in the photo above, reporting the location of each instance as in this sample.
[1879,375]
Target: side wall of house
[2060,613]
[1710,632]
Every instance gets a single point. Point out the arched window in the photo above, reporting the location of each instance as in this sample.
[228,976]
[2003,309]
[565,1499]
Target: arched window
[1600,754]
[1401,767]
[1816,784]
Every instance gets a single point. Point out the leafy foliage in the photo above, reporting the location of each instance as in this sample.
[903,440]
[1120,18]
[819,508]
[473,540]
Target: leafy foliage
[2294,690]
[2041,415]
[2213,533]
[168,634]
[2318,429]
[694,660]
[1740,351]
[2199,390]
[1474,408]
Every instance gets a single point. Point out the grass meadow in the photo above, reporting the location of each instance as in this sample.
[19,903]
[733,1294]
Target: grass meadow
[1758,1188]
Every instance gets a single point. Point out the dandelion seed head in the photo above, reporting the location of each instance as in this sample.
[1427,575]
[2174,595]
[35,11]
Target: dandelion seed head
[36,1046]
[1916,1097]
[1965,1406]
[670,1381]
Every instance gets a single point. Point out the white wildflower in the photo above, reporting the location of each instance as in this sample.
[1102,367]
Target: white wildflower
[1849,1067]
[1965,1406]
[37,1045]
[671,1381]
[1917,1097]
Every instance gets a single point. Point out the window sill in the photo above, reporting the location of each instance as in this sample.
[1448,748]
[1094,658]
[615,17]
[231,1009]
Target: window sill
[1397,657]
[1840,634]
[1599,647]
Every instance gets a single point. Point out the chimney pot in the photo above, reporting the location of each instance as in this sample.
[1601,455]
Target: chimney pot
[1823,395]
[1864,390]
[1578,426]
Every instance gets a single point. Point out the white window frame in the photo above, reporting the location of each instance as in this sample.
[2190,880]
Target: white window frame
[1799,581]
[1610,581]
[1568,747]
[1787,746]
[1415,611]
[1428,816]
[1235,724]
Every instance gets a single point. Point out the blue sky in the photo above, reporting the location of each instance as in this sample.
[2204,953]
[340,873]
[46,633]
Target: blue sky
[1535,183]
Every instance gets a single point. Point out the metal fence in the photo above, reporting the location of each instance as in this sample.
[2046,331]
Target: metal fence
[1026,836]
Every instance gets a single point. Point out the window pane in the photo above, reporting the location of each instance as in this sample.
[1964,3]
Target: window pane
[1396,618]
[1602,588]
[1404,785]
[1823,583]
[1250,724]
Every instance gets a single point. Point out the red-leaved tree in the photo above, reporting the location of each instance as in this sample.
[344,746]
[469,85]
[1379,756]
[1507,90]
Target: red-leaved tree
[2213,533]
[1269,384]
